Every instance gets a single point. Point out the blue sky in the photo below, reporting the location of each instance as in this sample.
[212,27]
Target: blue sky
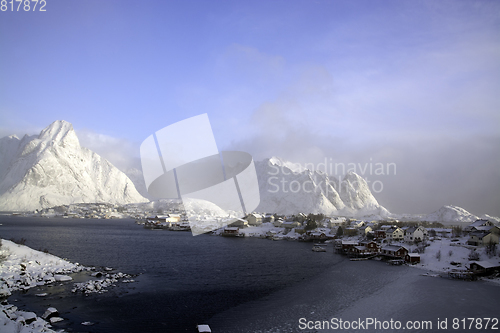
[409,82]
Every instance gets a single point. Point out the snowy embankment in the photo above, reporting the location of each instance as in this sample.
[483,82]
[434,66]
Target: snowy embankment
[22,268]
[444,254]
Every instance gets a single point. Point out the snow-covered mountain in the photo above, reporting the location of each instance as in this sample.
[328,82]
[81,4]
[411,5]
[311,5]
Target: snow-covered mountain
[447,215]
[288,188]
[52,169]
[451,215]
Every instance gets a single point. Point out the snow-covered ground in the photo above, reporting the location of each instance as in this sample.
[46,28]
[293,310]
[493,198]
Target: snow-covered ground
[25,268]
[441,252]
[22,268]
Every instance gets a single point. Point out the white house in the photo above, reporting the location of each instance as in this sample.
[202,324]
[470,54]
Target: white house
[278,222]
[415,234]
[478,238]
[291,224]
[362,231]
[254,219]
[394,233]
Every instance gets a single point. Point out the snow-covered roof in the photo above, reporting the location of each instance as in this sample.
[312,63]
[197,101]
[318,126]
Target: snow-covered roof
[393,247]
[391,230]
[231,228]
[414,255]
[478,223]
[480,234]
[484,227]
[411,230]
[486,264]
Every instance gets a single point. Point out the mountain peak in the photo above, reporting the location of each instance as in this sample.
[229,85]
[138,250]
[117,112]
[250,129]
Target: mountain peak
[60,131]
[278,161]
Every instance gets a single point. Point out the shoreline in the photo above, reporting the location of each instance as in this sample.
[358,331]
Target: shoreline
[24,269]
[430,253]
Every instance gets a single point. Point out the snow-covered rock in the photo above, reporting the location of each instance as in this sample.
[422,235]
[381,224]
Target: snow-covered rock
[13,320]
[55,319]
[451,215]
[50,312]
[99,286]
[52,169]
[288,188]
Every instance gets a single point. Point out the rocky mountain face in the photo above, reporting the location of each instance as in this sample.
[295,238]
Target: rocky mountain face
[52,169]
[287,188]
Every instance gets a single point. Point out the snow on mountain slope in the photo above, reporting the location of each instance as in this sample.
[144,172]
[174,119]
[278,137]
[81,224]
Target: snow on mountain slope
[137,178]
[53,169]
[494,219]
[451,215]
[287,188]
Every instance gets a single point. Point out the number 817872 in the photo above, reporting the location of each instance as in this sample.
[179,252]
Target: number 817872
[20,5]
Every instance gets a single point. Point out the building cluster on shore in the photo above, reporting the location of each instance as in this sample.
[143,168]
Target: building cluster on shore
[317,227]
[90,211]
[171,221]
[389,240]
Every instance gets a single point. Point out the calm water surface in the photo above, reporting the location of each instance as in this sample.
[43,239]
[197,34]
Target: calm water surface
[234,284]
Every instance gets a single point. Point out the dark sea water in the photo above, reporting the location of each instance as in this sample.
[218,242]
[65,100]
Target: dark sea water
[233,284]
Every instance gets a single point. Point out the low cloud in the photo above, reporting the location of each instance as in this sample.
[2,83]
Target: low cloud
[121,152]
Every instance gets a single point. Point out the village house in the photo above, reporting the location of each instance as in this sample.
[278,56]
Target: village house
[345,246]
[350,231]
[479,238]
[441,232]
[166,221]
[478,223]
[386,227]
[371,246]
[357,224]
[487,228]
[231,232]
[359,251]
[331,222]
[379,234]
[415,234]
[394,251]
[484,267]
[412,258]
[364,230]
[394,233]
[254,219]
[278,222]
[291,224]
[319,234]
[240,223]
[269,218]
[301,217]
[316,236]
